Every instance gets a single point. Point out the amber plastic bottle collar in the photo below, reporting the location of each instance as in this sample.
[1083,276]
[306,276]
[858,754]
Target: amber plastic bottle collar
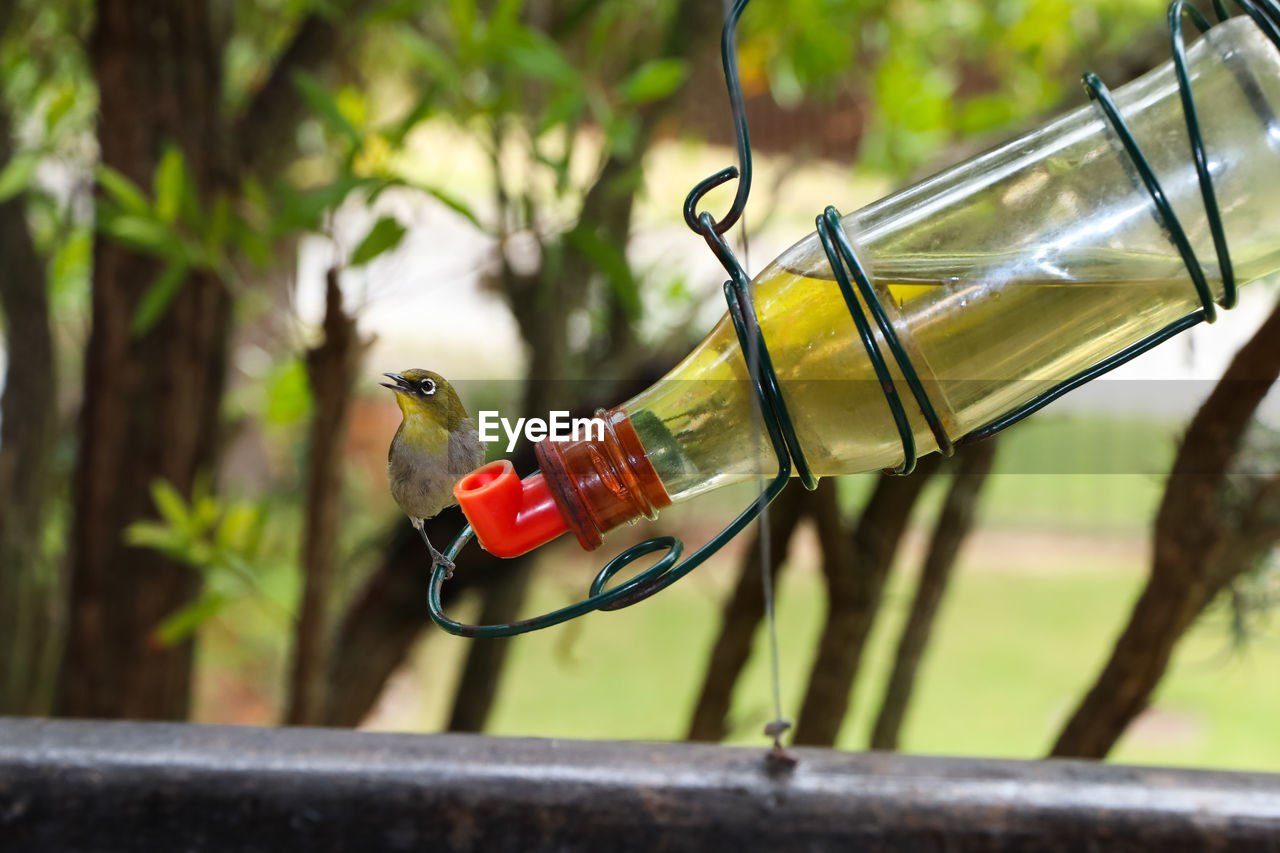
[599,484]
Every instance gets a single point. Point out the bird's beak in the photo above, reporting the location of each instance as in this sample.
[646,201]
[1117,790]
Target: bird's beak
[402,384]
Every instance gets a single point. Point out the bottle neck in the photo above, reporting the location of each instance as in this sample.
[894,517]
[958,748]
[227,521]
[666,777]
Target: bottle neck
[602,481]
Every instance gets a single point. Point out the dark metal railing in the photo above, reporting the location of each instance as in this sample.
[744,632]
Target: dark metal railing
[71,786]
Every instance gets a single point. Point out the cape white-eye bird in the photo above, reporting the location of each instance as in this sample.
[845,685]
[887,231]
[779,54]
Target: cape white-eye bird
[435,446]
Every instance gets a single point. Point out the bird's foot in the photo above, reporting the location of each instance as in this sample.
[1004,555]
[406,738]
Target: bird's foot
[438,559]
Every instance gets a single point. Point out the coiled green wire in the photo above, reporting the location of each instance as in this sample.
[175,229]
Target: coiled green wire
[850,275]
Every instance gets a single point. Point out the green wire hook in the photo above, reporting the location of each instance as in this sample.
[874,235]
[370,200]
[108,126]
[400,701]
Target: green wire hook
[849,273]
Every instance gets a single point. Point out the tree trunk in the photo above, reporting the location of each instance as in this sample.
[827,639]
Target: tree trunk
[742,614]
[503,596]
[151,401]
[263,133]
[1198,549]
[482,672]
[388,616]
[29,583]
[379,629]
[331,372]
[542,304]
[972,466]
[854,589]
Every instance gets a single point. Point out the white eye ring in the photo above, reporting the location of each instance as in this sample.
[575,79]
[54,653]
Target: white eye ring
[428,386]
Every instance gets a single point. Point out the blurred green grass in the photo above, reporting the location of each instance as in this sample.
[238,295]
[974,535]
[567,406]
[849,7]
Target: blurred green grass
[1011,655]
[1078,474]
[1038,598]
[1091,474]
[1020,637]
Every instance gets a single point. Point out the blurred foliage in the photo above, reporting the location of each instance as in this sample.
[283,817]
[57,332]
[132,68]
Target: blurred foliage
[222,540]
[548,91]
[51,103]
[255,32]
[171,224]
[507,81]
[1252,601]
[931,71]
[1254,594]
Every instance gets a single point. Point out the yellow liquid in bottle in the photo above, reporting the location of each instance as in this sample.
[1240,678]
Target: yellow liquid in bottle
[1003,277]
[981,348]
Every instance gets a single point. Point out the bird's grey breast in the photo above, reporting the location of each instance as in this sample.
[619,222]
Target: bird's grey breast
[418,484]
[422,484]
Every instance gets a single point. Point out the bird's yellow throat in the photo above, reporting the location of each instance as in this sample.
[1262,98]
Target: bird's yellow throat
[422,427]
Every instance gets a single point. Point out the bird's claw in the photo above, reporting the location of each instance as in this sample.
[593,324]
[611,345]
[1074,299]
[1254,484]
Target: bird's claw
[438,559]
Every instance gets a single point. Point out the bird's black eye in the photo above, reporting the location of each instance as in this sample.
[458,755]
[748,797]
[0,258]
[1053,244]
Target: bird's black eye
[428,386]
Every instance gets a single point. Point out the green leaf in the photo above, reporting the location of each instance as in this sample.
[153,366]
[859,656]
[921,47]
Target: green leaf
[72,259]
[123,191]
[151,534]
[235,529]
[384,236]
[251,542]
[219,225]
[159,296]
[380,185]
[254,194]
[323,104]
[288,394]
[983,113]
[422,110]
[784,84]
[352,105]
[506,13]
[169,184]
[462,17]
[654,80]
[140,232]
[186,620]
[304,210]
[204,513]
[612,262]
[564,108]
[169,503]
[455,204]
[622,132]
[17,174]
[441,68]
[237,568]
[532,53]
[59,105]
[252,243]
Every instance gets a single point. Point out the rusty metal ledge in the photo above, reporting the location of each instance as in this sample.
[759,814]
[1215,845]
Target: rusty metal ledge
[70,786]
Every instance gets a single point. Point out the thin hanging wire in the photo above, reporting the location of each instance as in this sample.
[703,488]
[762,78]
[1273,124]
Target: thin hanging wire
[856,286]
[779,724]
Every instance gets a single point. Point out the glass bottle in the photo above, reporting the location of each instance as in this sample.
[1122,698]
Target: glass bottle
[1003,276]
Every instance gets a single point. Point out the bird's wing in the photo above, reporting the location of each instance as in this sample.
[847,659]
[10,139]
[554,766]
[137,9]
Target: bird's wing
[466,453]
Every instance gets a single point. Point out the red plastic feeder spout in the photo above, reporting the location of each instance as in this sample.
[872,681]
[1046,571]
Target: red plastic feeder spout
[510,516]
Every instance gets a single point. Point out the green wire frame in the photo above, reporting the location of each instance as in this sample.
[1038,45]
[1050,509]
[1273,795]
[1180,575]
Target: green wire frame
[854,283]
